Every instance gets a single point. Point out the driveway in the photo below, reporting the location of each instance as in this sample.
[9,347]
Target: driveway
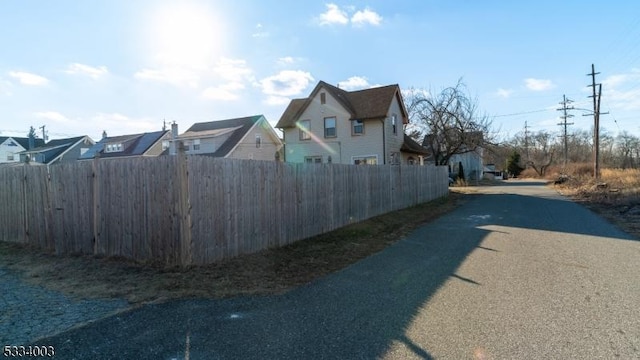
[518,272]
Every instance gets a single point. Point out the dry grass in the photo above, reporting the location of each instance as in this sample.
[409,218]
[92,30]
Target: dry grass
[267,272]
[615,196]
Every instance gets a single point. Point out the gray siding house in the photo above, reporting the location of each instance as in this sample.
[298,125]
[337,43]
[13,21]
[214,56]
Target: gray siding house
[58,151]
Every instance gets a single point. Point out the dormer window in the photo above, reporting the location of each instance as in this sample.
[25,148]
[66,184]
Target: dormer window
[110,148]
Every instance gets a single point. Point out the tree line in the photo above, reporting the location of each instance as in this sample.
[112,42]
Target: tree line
[449,122]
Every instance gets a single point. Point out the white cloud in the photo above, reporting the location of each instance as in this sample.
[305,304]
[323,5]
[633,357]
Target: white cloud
[260,33]
[538,84]
[504,93]
[90,71]
[26,78]
[286,83]
[621,90]
[226,92]
[340,16]
[52,116]
[334,15]
[235,73]
[354,83]
[366,16]
[286,60]
[235,70]
[277,100]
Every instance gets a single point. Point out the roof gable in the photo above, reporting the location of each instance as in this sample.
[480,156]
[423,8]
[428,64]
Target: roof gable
[364,104]
[238,126]
[56,148]
[22,141]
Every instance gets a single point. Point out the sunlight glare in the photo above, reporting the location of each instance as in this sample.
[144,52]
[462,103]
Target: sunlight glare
[185,34]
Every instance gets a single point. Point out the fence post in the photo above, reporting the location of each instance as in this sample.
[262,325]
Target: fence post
[96,203]
[184,208]
[25,209]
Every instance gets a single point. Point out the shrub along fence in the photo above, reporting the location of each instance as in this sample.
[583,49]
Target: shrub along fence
[184,210]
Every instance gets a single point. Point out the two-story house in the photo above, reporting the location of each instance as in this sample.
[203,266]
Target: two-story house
[250,137]
[349,127]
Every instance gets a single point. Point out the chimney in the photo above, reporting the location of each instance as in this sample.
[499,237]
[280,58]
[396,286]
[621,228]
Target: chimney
[104,134]
[174,137]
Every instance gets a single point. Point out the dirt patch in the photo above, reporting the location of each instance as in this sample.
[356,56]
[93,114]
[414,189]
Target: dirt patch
[267,272]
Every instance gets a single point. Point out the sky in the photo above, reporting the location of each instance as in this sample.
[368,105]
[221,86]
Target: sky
[78,67]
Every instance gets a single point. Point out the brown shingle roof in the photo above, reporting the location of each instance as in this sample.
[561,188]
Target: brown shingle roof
[288,118]
[362,104]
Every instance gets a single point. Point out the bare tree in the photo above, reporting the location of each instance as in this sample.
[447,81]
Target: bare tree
[627,145]
[541,150]
[449,122]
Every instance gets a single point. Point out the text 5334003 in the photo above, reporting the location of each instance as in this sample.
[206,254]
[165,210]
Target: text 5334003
[28,351]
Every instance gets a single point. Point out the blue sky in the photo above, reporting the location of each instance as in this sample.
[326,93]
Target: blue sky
[81,67]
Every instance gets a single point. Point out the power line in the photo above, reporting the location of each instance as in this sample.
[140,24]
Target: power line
[522,113]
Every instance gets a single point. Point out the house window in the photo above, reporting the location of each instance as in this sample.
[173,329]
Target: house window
[258,140]
[83,151]
[365,160]
[357,127]
[330,127]
[10,156]
[313,159]
[304,126]
[165,145]
[196,144]
[394,124]
[323,98]
[113,148]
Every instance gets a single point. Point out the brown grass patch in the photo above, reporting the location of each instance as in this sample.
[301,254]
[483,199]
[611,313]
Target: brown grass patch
[267,272]
[615,196]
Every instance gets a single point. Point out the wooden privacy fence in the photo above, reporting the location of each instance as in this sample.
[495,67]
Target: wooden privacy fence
[197,209]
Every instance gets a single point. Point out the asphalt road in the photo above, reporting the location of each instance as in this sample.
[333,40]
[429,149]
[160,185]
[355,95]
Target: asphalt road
[516,273]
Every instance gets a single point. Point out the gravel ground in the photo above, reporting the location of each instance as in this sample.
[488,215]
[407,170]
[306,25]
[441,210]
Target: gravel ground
[30,312]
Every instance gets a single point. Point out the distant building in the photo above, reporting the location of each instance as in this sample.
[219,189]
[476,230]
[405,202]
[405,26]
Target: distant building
[249,137]
[11,147]
[58,150]
[125,146]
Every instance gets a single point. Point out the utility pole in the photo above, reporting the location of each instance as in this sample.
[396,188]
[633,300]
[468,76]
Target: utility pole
[526,142]
[596,121]
[44,133]
[565,102]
